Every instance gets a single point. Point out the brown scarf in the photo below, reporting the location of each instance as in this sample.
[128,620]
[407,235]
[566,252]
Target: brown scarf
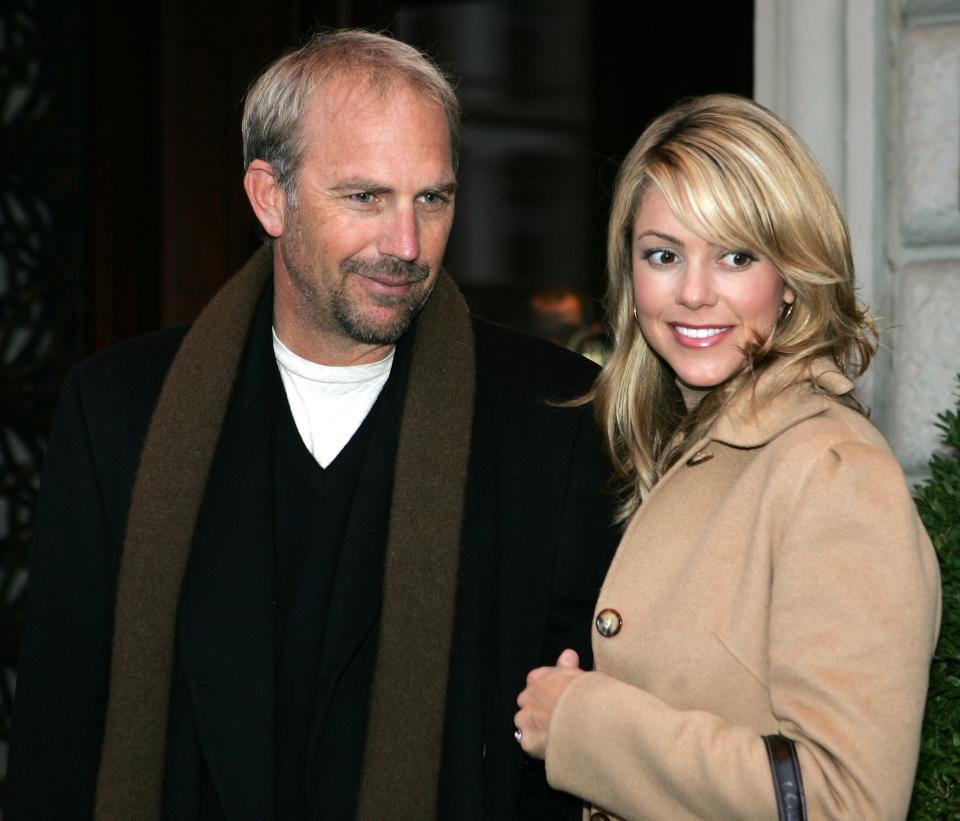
[405,729]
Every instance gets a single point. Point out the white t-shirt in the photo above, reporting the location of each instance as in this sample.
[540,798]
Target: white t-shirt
[329,403]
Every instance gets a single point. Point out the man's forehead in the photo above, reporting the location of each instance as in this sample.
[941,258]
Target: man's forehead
[352,119]
[354,93]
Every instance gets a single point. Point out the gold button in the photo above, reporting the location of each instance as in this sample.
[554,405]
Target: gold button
[609,623]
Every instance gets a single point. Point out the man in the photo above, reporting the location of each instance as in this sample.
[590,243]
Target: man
[303,573]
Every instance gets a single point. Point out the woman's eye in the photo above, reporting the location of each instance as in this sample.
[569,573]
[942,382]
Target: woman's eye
[739,259]
[659,256]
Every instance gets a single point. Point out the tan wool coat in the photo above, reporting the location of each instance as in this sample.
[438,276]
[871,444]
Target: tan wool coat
[777,579]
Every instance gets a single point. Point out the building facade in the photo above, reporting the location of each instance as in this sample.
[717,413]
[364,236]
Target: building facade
[873,86]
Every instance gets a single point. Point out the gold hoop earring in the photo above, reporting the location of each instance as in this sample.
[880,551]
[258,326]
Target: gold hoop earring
[786,309]
[635,317]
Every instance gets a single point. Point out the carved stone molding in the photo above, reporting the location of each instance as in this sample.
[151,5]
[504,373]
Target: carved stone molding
[930,134]
[931,12]
[925,343]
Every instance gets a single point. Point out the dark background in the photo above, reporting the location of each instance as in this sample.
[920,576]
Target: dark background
[554,95]
[121,205]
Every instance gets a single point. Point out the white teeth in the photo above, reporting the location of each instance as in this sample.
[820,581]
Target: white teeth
[698,333]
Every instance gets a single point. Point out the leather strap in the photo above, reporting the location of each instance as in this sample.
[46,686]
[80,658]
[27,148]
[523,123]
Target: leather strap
[787,785]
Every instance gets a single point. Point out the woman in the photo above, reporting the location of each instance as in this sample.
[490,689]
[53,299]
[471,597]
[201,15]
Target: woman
[776,580]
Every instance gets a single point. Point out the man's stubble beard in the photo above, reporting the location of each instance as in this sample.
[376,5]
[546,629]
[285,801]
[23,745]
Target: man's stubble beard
[334,310]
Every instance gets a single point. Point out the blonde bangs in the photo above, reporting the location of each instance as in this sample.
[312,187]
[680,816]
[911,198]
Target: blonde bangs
[724,187]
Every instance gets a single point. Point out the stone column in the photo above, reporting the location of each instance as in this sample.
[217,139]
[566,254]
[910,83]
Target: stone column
[818,64]
[924,240]
[873,86]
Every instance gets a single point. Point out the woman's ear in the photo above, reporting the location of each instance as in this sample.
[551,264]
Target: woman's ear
[267,198]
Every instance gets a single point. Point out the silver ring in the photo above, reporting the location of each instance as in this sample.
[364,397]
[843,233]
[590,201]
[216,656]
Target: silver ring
[518,735]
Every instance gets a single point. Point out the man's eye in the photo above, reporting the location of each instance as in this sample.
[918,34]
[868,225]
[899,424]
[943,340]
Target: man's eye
[362,197]
[432,198]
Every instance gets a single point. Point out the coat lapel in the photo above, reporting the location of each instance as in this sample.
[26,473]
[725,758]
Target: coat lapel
[165,503]
[225,629]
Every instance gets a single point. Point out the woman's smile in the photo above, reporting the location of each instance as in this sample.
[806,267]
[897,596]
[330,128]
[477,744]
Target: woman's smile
[696,337]
[700,306]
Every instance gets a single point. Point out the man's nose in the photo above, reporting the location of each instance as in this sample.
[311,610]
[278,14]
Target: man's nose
[401,235]
[696,287]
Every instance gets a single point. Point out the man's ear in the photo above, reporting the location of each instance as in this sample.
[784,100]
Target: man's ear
[267,198]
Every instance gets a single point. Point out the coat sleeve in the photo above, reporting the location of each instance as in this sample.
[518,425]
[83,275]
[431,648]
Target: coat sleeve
[854,612]
[65,650]
[586,544]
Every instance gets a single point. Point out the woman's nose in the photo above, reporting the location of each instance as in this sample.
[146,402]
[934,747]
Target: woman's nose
[696,286]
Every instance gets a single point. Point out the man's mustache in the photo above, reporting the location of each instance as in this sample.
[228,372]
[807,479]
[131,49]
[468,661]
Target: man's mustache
[387,268]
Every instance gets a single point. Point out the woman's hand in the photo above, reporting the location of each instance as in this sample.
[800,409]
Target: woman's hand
[538,699]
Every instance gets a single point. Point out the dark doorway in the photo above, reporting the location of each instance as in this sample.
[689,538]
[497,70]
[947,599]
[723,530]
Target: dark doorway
[554,95]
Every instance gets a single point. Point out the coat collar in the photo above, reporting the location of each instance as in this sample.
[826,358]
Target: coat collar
[783,396]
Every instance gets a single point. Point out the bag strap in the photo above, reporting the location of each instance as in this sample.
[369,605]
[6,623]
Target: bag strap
[787,784]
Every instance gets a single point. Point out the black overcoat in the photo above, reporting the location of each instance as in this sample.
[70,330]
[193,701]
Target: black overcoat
[536,542]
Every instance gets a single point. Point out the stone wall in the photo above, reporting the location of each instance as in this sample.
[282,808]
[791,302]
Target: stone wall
[873,86]
[924,244]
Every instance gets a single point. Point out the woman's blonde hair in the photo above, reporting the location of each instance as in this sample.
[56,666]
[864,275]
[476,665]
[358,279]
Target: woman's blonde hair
[738,176]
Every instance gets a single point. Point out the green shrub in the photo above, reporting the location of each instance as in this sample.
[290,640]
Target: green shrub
[936,794]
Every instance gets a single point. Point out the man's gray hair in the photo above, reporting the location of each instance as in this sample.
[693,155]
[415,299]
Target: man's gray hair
[276,101]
